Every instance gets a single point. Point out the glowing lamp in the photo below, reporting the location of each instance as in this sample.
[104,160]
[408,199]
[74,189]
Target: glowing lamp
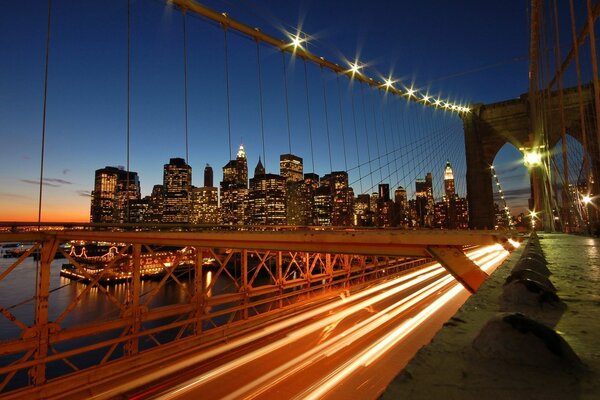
[586,199]
[532,158]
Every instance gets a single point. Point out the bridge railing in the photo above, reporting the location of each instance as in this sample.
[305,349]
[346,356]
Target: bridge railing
[74,299]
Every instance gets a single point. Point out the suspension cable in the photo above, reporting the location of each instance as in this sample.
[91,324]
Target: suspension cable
[260,101]
[337,78]
[45,108]
[287,107]
[312,155]
[356,137]
[227,89]
[128,147]
[185,82]
[362,96]
[326,120]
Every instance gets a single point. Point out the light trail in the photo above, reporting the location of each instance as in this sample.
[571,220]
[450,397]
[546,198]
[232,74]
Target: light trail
[318,389]
[261,333]
[344,339]
[488,258]
[299,333]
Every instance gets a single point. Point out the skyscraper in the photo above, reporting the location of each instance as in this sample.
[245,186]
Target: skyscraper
[266,198]
[449,181]
[208,176]
[291,167]
[177,182]
[341,199]
[234,190]
[114,189]
[205,205]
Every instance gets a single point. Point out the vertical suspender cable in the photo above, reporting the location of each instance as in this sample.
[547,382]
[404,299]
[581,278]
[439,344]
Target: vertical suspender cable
[337,78]
[185,83]
[262,126]
[312,156]
[44,113]
[362,96]
[586,163]
[377,138]
[260,99]
[326,121]
[356,139]
[287,106]
[227,89]
[563,129]
[128,105]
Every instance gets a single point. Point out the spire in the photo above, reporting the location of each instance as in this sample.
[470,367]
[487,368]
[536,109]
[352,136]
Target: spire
[448,174]
[260,169]
[241,152]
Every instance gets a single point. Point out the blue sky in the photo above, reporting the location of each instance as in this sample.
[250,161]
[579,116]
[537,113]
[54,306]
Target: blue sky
[467,51]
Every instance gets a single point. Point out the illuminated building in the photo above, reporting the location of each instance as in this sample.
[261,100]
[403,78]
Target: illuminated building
[424,200]
[384,206]
[114,189]
[362,215]
[138,210]
[177,181]
[205,205]
[400,207]
[156,204]
[449,189]
[291,168]
[234,190]
[341,197]
[322,206]
[266,198]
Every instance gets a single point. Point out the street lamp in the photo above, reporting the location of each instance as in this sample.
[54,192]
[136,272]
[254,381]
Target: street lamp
[533,215]
[586,199]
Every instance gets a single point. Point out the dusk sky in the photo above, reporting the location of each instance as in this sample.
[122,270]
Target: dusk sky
[465,51]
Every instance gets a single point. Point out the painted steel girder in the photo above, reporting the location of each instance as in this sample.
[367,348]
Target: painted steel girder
[459,265]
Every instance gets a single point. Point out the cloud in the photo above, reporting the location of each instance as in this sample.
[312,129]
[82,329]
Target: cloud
[52,182]
[38,182]
[59,181]
[84,193]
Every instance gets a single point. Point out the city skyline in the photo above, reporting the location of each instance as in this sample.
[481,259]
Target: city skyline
[288,198]
[87,89]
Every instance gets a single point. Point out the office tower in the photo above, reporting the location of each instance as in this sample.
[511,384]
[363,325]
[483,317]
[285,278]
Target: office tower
[177,181]
[362,214]
[156,204]
[400,207]
[205,205]
[208,176]
[266,198]
[242,167]
[322,206]
[384,191]
[234,190]
[138,210]
[114,189]
[449,181]
[341,200]
[291,167]
[421,201]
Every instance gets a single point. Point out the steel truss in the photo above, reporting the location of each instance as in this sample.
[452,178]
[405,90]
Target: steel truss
[260,276]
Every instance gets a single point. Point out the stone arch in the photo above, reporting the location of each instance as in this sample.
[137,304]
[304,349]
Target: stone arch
[488,127]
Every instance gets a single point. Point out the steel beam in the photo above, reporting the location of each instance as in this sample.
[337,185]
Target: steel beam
[459,265]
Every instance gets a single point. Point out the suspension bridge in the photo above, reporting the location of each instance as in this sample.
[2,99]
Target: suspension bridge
[369,219]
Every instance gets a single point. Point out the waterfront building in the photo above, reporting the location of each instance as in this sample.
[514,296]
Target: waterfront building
[114,189]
